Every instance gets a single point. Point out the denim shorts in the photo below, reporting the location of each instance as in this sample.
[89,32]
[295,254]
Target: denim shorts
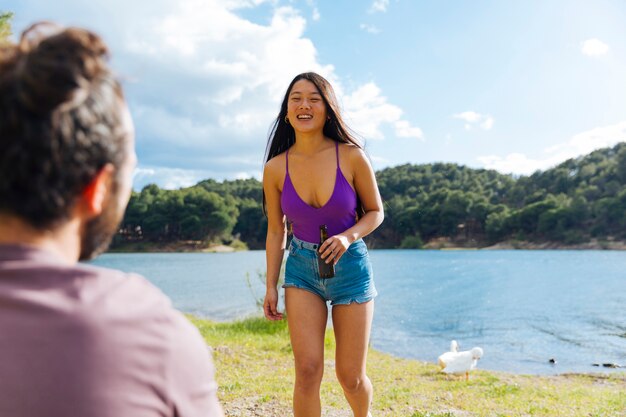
[353,280]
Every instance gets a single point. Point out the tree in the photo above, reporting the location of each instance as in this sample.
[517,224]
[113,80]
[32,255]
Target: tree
[621,164]
[527,218]
[453,212]
[213,215]
[497,224]
[5,26]
[412,242]
[251,224]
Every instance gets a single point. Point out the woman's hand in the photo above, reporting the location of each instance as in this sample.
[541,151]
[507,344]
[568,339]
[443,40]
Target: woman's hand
[333,248]
[270,305]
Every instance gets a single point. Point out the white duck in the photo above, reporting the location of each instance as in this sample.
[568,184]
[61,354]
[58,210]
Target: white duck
[445,357]
[461,362]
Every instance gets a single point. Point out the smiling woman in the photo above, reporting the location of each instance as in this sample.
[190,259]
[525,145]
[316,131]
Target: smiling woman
[329,185]
[306,110]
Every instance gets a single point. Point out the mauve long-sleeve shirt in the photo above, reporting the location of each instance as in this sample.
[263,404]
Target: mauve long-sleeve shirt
[77,340]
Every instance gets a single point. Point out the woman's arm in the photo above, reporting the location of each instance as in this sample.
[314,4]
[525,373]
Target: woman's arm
[275,240]
[366,188]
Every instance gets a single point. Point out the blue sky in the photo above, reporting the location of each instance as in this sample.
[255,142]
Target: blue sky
[510,85]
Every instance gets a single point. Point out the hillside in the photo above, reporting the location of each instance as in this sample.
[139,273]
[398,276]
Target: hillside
[579,201]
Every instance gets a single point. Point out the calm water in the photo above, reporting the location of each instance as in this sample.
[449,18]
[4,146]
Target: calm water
[521,307]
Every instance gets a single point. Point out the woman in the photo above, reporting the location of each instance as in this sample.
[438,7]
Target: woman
[316,173]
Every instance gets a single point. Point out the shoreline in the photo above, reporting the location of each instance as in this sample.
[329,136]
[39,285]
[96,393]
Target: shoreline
[435,244]
[593,244]
[175,247]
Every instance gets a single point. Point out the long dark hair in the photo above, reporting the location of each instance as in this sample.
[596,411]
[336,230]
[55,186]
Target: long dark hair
[282,136]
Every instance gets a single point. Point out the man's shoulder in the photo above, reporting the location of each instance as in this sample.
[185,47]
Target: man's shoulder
[89,296]
[124,295]
[120,328]
[114,283]
[112,279]
[123,305]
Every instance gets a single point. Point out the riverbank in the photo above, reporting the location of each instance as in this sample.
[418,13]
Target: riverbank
[593,244]
[193,246]
[255,373]
[435,244]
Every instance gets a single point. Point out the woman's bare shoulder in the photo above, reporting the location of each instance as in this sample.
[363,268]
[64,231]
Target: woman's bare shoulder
[275,167]
[275,162]
[352,152]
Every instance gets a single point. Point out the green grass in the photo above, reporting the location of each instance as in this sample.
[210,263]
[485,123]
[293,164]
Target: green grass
[254,368]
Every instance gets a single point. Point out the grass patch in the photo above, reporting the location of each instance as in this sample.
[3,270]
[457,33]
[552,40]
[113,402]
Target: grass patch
[254,366]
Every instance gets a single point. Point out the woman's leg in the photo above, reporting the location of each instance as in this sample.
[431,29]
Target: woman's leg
[352,324]
[307,315]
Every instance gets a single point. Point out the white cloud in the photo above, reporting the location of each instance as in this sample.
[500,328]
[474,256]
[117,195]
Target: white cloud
[586,142]
[247,175]
[594,47]
[468,116]
[367,111]
[167,178]
[405,130]
[580,144]
[379,6]
[487,123]
[175,178]
[204,83]
[316,14]
[472,118]
[370,28]
[378,162]
[515,163]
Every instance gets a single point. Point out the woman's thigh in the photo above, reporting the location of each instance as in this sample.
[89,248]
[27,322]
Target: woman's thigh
[352,324]
[307,315]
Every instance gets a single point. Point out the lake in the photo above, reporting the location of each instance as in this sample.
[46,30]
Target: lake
[522,307]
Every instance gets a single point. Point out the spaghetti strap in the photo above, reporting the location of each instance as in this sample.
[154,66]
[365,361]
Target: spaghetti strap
[287,161]
[337,153]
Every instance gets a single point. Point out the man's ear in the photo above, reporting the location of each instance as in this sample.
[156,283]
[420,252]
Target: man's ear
[96,192]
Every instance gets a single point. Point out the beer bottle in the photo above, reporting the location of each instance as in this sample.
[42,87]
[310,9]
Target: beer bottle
[326,270]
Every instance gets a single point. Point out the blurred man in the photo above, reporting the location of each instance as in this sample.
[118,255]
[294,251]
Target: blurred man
[77,340]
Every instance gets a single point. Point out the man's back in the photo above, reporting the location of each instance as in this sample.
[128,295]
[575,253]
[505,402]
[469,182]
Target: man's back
[77,340]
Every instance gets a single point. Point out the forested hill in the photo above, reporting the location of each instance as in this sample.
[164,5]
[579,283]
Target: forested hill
[579,200]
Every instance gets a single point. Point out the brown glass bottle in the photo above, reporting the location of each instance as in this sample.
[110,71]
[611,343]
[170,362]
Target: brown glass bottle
[326,270]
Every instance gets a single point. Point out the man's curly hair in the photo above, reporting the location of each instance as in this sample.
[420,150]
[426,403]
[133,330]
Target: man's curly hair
[60,121]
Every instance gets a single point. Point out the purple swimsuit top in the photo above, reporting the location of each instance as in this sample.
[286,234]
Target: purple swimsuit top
[339,213]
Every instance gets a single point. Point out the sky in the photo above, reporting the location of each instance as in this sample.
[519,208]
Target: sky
[516,86]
